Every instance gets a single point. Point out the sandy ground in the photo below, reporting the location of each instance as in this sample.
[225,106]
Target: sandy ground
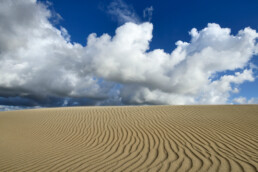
[143,138]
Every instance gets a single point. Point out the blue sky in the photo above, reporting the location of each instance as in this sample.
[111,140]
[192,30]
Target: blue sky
[172,19]
[137,61]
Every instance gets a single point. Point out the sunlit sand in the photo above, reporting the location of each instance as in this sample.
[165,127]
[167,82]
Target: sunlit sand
[143,138]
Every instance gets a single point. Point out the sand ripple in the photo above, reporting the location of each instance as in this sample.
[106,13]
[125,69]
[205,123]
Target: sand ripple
[149,138]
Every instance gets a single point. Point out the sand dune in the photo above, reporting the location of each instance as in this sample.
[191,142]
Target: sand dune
[148,138]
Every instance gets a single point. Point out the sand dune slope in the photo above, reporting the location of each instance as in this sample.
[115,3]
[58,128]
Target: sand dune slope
[149,138]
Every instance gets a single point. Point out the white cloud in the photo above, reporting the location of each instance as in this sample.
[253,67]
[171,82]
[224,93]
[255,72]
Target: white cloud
[38,60]
[243,100]
[147,13]
[185,74]
[10,108]
[240,100]
[122,12]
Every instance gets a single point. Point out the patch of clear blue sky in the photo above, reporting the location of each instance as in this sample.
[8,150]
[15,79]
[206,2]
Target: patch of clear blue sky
[172,20]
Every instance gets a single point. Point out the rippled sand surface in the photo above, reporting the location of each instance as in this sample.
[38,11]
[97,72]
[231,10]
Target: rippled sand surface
[143,138]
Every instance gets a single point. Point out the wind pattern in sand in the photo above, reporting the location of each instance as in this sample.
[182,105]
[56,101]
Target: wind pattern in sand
[146,138]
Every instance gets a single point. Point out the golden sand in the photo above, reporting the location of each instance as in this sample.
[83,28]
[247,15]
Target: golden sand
[143,138]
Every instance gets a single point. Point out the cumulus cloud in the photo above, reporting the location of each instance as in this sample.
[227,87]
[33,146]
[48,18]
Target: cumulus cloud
[40,63]
[185,75]
[37,59]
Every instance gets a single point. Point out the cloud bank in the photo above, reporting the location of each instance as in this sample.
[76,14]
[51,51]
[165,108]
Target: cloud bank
[41,66]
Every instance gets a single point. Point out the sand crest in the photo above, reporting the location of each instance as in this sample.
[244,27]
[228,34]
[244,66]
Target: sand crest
[143,138]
